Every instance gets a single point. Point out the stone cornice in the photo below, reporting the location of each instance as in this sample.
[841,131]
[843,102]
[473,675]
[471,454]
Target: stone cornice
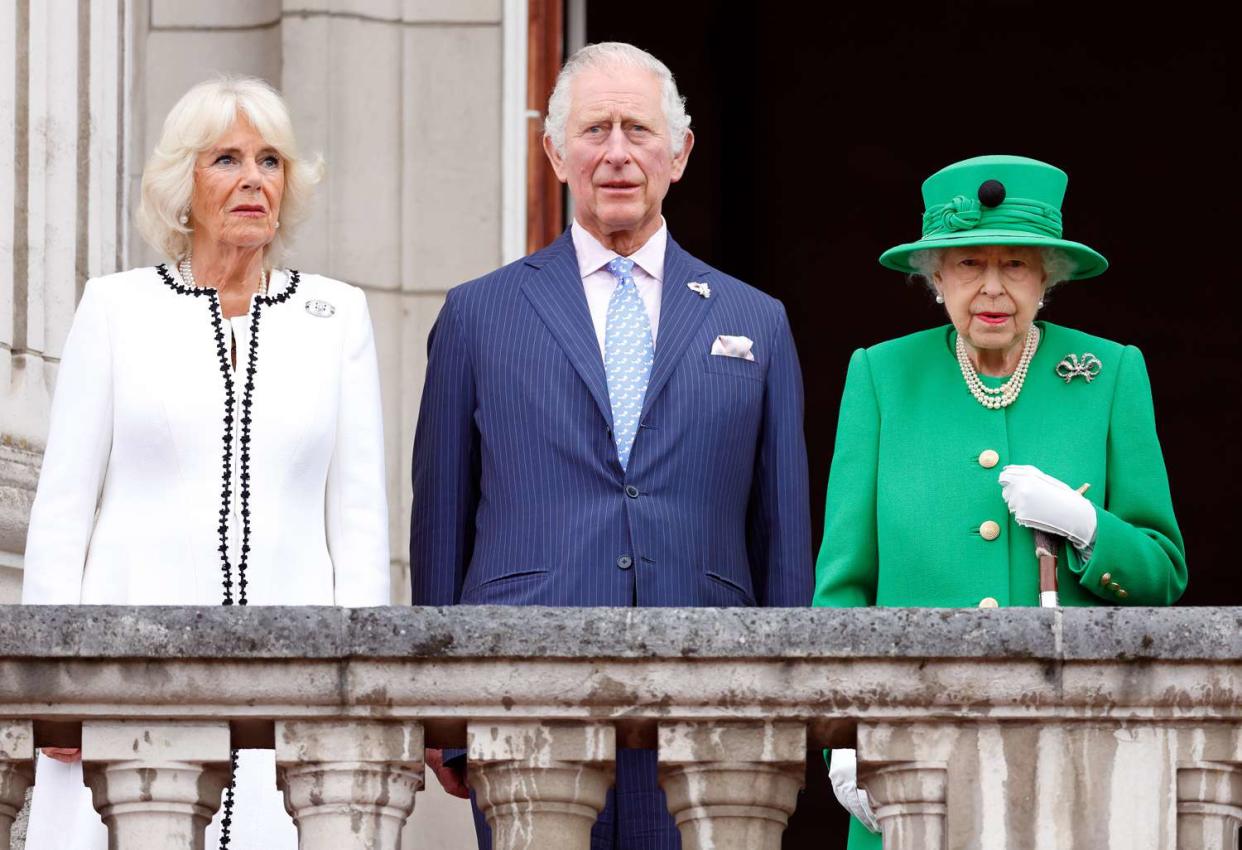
[1105,635]
[829,669]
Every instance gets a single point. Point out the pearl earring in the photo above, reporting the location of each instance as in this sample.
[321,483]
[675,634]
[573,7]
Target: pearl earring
[1040,305]
[184,217]
[939,298]
[278,228]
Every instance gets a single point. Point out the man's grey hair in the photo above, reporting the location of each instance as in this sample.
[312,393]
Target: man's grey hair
[613,53]
[1058,266]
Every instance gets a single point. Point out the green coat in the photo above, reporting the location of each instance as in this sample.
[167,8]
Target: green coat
[908,493]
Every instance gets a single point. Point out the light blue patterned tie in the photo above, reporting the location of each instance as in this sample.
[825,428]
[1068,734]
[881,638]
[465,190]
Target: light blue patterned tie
[628,354]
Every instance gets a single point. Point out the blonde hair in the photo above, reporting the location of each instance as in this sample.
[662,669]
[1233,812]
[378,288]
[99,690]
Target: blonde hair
[203,115]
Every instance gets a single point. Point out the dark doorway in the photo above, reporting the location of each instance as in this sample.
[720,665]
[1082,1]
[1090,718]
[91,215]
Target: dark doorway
[817,123]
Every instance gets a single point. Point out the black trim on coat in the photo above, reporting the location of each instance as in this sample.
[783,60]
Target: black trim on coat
[230,401]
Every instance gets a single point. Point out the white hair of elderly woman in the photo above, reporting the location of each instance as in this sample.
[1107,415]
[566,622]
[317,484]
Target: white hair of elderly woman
[199,118]
[1058,266]
[615,53]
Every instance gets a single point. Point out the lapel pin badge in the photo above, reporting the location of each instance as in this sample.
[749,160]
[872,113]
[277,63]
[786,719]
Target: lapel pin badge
[321,309]
[700,288]
[1088,367]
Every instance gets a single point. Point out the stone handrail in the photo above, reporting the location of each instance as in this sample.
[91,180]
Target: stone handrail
[1101,727]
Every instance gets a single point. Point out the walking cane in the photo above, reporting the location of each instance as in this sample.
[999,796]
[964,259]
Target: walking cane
[1046,548]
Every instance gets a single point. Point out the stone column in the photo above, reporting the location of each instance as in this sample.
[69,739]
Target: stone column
[1209,806]
[62,209]
[16,771]
[732,786]
[156,785]
[349,783]
[541,785]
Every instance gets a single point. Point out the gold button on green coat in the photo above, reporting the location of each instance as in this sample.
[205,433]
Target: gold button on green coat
[907,491]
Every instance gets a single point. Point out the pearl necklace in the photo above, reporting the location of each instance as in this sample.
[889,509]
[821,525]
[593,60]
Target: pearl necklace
[187,274]
[1006,394]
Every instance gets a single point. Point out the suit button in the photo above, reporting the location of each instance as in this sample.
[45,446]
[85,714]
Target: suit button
[1122,593]
[1105,579]
[989,530]
[625,562]
[988,602]
[631,491]
[988,458]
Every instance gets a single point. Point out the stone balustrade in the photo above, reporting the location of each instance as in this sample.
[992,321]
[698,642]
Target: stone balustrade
[1018,728]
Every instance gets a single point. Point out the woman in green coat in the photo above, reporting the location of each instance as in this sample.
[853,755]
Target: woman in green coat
[956,443]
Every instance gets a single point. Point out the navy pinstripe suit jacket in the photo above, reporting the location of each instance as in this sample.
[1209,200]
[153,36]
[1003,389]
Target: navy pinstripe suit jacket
[518,494]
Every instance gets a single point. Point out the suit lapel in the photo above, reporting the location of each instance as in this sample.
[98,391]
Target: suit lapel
[554,289]
[681,314]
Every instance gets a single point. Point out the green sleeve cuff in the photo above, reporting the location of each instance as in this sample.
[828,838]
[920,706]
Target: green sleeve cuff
[1126,566]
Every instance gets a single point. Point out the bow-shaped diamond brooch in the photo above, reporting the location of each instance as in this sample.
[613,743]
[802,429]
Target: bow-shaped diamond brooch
[1071,367]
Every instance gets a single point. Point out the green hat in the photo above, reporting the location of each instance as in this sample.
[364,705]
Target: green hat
[995,200]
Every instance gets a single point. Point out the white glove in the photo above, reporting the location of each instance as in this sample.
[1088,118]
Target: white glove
[843,773]
[1042,502]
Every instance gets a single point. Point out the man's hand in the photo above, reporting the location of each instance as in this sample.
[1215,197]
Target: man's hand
[68,755]
[452,777]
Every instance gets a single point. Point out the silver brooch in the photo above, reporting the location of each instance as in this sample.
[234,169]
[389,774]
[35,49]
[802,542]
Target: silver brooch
[322,309]
[1071,367]
[700,288]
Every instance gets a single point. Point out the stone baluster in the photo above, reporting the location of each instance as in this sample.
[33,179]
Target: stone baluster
[349,783]
[1209,806]
[732,786]
[910,803]
[541,785]
[904,768]
[156,785]
[16,771]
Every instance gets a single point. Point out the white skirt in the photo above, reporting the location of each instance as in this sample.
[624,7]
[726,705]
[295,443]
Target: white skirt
[62,817]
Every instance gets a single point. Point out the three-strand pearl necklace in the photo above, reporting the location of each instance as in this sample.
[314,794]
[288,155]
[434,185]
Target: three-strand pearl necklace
[187,275]
[1006,394]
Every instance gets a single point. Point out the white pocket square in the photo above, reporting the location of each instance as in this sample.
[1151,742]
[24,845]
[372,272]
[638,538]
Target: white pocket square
[733,346]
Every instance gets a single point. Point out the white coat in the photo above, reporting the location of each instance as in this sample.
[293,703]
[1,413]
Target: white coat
[173,477]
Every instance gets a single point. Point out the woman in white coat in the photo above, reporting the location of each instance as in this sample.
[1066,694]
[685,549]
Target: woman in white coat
[216,432]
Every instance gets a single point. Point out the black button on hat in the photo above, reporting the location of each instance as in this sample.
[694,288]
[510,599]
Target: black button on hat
[991,193]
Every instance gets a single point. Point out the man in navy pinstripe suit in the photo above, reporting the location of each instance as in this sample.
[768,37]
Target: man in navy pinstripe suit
[611,421]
